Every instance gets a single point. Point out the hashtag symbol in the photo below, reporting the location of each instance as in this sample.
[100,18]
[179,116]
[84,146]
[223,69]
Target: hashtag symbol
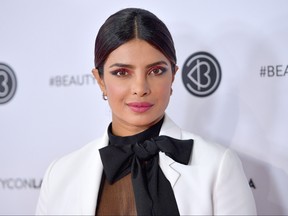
[52,81]
[263,71]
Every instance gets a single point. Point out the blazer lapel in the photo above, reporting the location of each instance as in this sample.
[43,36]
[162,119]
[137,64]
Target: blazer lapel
[169,128]
[91,179]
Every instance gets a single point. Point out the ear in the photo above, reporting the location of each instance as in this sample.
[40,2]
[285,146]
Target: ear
[100,81]
[173,75]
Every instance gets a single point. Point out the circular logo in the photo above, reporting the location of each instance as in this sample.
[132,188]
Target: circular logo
[201,74]
[8,83]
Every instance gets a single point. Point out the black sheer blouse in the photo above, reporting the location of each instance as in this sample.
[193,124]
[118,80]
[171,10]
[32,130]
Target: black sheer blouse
[118,198]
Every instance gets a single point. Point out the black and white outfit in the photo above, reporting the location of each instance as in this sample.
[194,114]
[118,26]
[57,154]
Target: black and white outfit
[163,170]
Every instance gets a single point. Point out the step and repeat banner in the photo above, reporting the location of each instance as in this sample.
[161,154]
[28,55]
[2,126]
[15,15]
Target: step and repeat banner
[231,87]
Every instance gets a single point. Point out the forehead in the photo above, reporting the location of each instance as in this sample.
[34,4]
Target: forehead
[135,52]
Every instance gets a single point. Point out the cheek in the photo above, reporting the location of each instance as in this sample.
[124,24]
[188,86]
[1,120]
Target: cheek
[163,91]
[164,86]
[114,90]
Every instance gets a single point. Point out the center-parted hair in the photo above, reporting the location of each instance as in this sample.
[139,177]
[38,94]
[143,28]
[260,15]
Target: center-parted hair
[128,24]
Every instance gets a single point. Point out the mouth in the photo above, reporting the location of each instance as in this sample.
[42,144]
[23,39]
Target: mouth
[139,107]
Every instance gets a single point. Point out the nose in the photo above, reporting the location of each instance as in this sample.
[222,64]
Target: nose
[141,87]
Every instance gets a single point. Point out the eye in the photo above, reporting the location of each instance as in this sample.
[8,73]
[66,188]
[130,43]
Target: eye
[120,72]
[156,71]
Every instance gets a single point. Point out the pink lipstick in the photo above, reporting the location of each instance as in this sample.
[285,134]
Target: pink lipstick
[139,107]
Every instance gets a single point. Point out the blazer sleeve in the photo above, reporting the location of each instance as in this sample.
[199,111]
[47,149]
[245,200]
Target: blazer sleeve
[42,205]
[232,194]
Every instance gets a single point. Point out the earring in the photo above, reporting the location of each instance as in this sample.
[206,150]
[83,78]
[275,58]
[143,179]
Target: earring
[104,97]
[171,91]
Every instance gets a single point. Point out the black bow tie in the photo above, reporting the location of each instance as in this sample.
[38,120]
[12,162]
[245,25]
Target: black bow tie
[153,192]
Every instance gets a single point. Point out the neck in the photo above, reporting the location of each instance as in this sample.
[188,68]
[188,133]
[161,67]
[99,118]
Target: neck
[124,129]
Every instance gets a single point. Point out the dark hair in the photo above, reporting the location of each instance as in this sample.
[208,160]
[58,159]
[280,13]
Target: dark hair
[128,24]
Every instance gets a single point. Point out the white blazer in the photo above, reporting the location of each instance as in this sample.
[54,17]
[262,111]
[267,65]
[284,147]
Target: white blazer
[212,184]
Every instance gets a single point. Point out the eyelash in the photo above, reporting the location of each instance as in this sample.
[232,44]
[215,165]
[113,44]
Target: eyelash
[122,72]
[162,70]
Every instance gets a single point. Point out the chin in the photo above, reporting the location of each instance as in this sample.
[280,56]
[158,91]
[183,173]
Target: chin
[145,120]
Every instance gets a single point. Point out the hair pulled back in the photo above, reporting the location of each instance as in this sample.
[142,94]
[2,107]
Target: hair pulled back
[128,24]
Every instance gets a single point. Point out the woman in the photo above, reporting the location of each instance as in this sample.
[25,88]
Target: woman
[151,166]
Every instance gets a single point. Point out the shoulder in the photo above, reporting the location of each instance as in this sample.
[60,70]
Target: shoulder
[204,150]
[205,153]
[75,161]
[86,151]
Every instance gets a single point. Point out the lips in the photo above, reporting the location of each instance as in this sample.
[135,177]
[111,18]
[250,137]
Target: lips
[139,107]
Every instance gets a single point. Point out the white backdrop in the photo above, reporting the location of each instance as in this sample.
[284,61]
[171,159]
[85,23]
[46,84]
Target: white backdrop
[58,107]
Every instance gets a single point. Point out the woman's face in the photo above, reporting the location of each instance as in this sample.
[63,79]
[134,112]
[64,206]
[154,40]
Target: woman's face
[137,81]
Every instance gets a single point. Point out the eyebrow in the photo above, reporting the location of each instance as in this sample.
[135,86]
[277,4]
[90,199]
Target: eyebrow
[131,66]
